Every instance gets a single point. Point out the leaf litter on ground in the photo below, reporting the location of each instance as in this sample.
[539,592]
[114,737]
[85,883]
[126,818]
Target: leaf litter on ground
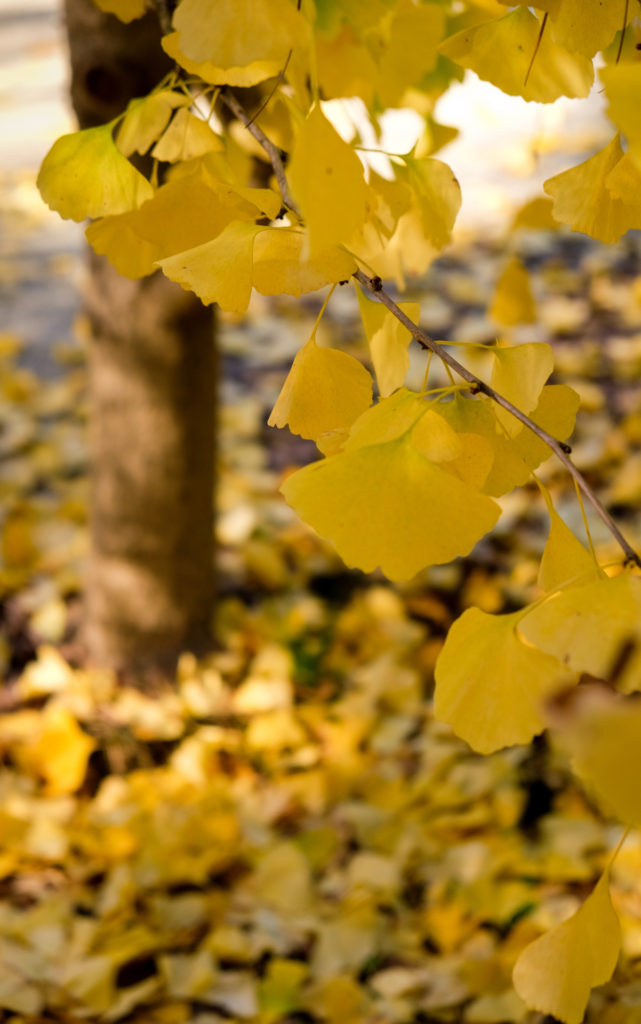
[288,834]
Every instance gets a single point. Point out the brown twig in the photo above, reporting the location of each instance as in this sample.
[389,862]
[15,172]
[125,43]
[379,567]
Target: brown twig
[272,151]
[374,286]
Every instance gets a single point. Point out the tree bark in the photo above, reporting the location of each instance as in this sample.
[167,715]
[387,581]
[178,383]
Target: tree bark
[152,384]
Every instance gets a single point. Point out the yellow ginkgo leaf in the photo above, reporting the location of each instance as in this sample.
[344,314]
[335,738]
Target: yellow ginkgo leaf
[125,10]
[589,626]
[624,180]
[519,373]
[208,30]
[536,215]
[118,240]
[434,438]
[146,119]
[401,62]
[345,66]
[388,341]
[490,686]
[59,751]
[556,972]
[85,175]
[182,214]
[436,197]
[564,557]
[583,200]
[280,267]
[328,182]
[186,137]
[326,389]
[556,412]
[586,26]
[622,88]
[602,735]
[555,72]
[386,504]
[388,420]
[218,271]
[513,302]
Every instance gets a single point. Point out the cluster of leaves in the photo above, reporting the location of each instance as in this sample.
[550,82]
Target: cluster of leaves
[410,480]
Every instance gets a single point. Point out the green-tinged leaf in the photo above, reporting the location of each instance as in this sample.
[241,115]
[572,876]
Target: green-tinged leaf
[85,175]
[490,685]
[146,119]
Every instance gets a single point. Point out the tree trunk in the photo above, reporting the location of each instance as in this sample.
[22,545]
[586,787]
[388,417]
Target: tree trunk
[152,380]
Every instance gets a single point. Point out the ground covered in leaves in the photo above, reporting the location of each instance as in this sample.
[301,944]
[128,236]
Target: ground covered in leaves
[288,835]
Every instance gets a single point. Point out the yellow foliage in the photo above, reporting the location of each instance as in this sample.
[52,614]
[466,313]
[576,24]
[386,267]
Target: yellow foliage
[85,175]
[388,341]
[208,33]
[556,973]
[513,302]
[490,685]
[584,200]
[326,389]
[186,138]
[328,183]
[218,271]
[146,119]
[555,71]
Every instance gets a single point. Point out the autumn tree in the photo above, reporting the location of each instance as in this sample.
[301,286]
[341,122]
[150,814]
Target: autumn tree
[407,479]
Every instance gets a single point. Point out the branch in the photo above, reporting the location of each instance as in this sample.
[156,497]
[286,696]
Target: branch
[272,151]
[374,285]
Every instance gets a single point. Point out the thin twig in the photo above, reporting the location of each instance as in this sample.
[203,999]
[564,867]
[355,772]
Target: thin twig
[280,78]
[625,25]
[272,151]
[536,48]
[374,285]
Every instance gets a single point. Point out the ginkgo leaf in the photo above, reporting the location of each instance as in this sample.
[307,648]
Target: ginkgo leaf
[564,557]
[345,66]
[402,63]
[515,457]
[125,10]
[85,175]
[386,504]
[556,972]
[490,686]
[58,752]
[588,626]
[518,374]
[146,119]
[434,438]
[586,26]
[536,214]
[328,182]
[118,240]
[622,84]
[388,420]
[624,180]
[388,341]
[186,137]
[555,72]
[436,197]
[513,302]
[326,389]
[218,271]
[281,269]
[208,31]
[602,733]
[583,200]
[182,214]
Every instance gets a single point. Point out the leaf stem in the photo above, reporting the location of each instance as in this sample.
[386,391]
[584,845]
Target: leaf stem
[375,286]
